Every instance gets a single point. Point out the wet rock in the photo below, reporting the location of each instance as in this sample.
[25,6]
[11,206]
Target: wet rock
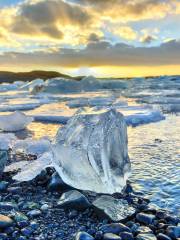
[173,231]
[114,209]
[162,236]
[145,218]
[34,213]
[83,236]
[3,186]
[115,228]
[146,236]
[5,221]
[56,183]
[126,236]
[19,217]
[3,161]
[111,236]
[144,229]
[44,207]
[26,232]
[14,190]
[73,199]
[8,206]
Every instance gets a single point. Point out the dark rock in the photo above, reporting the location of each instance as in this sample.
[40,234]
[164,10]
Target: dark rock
[56,183]
[172,220]
[144,229]
[173,231]
[126,236]
[161,214]
[114,209]
[73,199]
[83,236]
[34,213]
[14,190]
[111,236]
[162,236]
[5,221]
[19,217]
[3,236]
[3,161]
[26,232]
[146,236]
[145,218]
[3,186]
[115,228]
[8,206]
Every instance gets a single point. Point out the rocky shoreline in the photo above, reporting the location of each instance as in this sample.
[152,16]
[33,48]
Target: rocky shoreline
[46,208]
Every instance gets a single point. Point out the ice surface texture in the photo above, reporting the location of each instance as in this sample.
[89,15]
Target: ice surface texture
[90,152]
[14,122]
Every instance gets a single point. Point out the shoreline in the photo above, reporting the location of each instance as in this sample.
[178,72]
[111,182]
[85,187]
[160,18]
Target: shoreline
[36,212]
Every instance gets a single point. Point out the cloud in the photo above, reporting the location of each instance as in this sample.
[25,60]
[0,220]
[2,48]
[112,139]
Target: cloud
[130,10]
[147,39]
[48,18]
[125,32]
[97,54]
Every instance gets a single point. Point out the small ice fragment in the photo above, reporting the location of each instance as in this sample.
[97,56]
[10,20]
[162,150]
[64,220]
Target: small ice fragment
[14,122]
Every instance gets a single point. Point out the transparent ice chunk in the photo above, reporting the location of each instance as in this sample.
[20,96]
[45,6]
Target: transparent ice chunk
[90,152]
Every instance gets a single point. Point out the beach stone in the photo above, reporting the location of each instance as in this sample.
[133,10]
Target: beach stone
[56,183]
[26,232]
[3,186]
[144,229]
[111,236]
[5,221]
[8,206]
[19,217]
[44,207]
[14,190]
[115,228]
[83,236]
[34,213]
[173,231]
[115,209]
[73,199]
[3,161]
[3,236]
[162,236]
[126,236]
[145,218]
[146,236]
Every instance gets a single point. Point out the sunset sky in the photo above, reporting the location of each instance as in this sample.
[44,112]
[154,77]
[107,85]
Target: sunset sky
[115,38]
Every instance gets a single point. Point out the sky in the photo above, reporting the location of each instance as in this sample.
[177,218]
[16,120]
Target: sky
[105,38]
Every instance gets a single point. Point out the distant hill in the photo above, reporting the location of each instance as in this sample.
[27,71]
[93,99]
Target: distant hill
[29,76]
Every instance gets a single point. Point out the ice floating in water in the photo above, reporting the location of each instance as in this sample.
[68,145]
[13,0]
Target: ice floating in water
[33,147]
[7,140]
[144,118]
[14,122]
[33,84]
[91,153]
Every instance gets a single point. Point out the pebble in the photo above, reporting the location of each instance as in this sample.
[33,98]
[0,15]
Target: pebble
[5,221]
[162,236]
[14,190]
[8,206]
[173,231]
[44,207]
[146,236]
[145,218]
[111,236]
[115,228]
[34,213]
[73,199]
[83,236]
[126,236]
[3,186]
